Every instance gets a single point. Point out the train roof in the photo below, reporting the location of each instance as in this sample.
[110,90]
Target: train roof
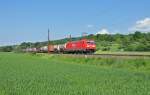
[82,40]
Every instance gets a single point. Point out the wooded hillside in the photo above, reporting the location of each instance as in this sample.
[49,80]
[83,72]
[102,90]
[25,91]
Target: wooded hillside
[113,42]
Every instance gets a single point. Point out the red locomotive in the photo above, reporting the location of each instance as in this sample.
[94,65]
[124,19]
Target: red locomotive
[81,46]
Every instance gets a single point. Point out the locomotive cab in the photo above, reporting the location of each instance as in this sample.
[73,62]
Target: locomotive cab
[90,46]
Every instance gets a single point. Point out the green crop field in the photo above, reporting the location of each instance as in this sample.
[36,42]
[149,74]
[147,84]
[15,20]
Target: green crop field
[30,74]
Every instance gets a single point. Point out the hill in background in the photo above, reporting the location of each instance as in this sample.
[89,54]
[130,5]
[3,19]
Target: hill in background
[105,42]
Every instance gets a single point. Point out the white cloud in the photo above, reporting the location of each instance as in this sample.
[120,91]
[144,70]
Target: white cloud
[141,25]
[103,31]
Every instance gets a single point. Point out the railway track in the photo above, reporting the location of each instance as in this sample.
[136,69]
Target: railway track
[107,55]
[131,55]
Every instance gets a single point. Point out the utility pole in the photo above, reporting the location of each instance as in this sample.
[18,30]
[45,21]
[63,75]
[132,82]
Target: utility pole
[70,37]
[48,45]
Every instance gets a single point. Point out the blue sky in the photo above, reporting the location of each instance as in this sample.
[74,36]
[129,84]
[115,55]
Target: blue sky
[28,20]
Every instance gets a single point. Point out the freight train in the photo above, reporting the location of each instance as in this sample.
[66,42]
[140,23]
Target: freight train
[80,46]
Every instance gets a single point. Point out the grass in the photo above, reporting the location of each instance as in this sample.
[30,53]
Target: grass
[27,74]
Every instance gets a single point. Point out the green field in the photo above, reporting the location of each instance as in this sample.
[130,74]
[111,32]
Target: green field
[30,74]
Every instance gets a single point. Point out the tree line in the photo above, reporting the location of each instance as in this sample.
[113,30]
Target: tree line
[137,41]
